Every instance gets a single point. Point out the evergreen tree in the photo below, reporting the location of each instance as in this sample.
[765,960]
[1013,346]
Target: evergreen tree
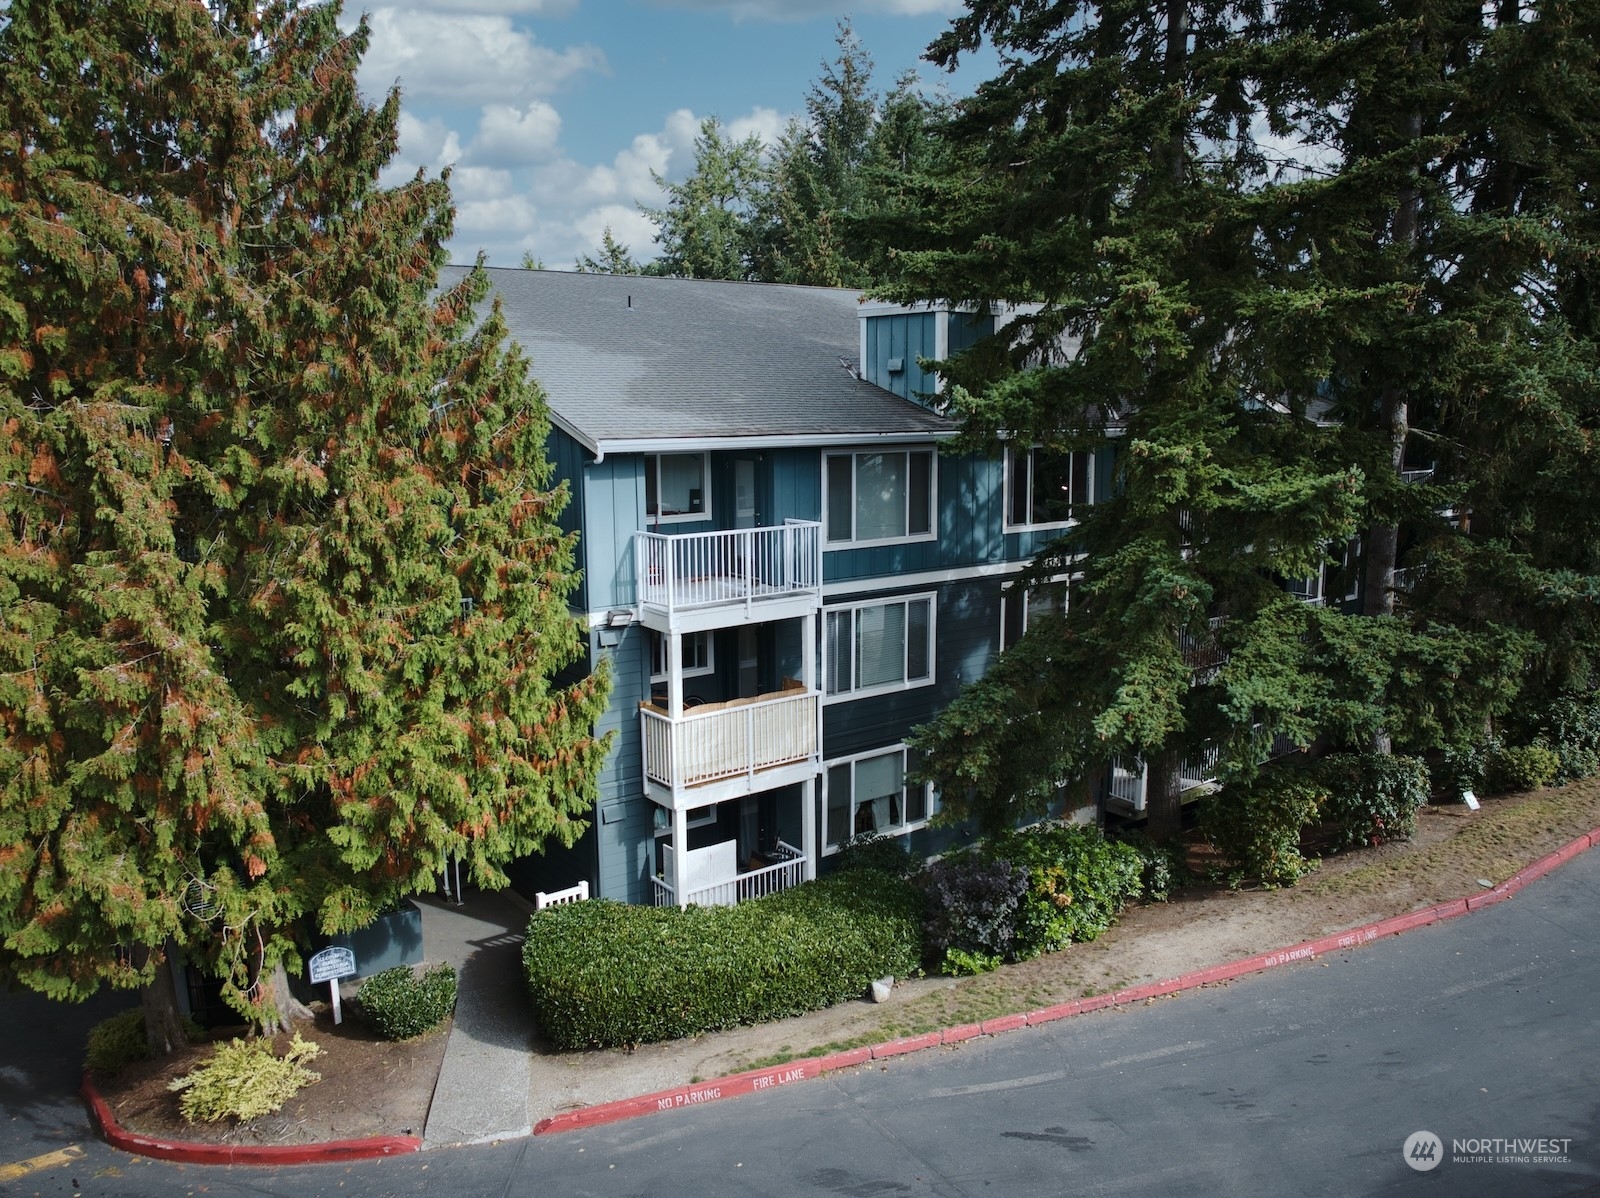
[704,229]
[283,590]
[1109,182]
[615,258]
[1460,134]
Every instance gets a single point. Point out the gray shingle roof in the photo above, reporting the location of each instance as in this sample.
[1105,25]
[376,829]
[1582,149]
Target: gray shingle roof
[631,358]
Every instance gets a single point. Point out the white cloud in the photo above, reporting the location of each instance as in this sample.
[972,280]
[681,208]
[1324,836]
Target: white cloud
[485,222]
[765,123]
[466,58]
[511,136]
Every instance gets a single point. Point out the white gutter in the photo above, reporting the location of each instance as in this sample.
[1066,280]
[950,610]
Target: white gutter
[762,441]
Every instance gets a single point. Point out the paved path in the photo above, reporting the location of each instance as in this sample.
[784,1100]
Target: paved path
[482,1093]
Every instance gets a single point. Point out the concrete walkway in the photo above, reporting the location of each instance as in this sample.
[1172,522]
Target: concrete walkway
[483,1087]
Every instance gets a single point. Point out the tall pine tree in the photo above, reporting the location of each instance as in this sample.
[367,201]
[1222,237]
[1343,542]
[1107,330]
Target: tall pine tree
[283,590]
[1109,182]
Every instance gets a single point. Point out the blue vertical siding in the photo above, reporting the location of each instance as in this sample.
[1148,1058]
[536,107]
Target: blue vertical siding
[568,457]
[907,336]
[613,509]
[623,827]
[964,330]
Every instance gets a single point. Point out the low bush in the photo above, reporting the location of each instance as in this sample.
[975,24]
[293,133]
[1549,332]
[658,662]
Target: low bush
[1163,867]
[244,1080]
[875,851]
[399,1005]
[1020,894]
[1371,797]
[118,1042]
[1255,825]
[1077,883]
[1570,725]
[1524,767]
[971,903]
[603,973]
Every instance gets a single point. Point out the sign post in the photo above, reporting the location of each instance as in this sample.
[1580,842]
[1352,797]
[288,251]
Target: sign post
[329,966]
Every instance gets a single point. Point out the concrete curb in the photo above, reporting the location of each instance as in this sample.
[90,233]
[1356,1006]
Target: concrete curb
[754,1080]
[738,1084]
[237,1154]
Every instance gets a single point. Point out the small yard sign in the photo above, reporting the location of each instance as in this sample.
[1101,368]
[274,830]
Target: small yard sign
[329,966]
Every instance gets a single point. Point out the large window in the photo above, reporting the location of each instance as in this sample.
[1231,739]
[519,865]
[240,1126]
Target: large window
[886,496]
[1019,608]
[695,653]
[880,646]
[870,794]
[675,486]
[1043,486]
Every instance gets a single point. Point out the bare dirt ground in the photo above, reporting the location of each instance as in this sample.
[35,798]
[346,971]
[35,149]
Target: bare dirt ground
[370,1087]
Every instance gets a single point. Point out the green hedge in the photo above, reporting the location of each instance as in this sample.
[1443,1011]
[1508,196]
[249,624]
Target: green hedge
[603,973]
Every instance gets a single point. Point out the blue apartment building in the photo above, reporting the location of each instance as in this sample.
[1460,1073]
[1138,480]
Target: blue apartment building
[784,567]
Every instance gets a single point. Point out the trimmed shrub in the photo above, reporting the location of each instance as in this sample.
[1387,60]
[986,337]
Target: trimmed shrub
[243,1080]
[603,973]
[873,850]
[399,1005]
[1527,767]
[971,906]
[118,1042]
[1371,797]
[1255,826]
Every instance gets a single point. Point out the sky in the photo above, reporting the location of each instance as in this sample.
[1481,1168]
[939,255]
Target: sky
[553,114]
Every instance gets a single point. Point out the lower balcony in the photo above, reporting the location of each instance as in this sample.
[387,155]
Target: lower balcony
[722,750]
[711,877]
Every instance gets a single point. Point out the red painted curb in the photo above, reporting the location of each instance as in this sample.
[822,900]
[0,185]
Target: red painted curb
[237,1154]
[1061,1010]
[762,1079]
[844,1060]
[897,1048]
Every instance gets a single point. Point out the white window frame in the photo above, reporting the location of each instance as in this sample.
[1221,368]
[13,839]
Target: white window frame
[905,684]
[653,461]
[1009,474]
[907,538]
[930,799]
[1015,592]
[658,655]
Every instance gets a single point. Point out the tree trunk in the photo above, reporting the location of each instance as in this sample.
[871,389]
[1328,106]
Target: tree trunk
[1163,800]
[163,1022]
[279,1007]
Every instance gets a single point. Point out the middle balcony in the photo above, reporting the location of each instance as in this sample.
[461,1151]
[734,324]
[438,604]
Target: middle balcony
[719,751]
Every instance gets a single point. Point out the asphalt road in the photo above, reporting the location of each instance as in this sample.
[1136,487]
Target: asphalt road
[1306,1080]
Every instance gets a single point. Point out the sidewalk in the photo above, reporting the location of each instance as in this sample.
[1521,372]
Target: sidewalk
[483,1087]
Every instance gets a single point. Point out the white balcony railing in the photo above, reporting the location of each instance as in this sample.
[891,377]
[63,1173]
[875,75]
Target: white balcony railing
[757,883]
[744,565]
[724,740]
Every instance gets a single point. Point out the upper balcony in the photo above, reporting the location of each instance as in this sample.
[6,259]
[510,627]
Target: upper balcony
[704,580]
